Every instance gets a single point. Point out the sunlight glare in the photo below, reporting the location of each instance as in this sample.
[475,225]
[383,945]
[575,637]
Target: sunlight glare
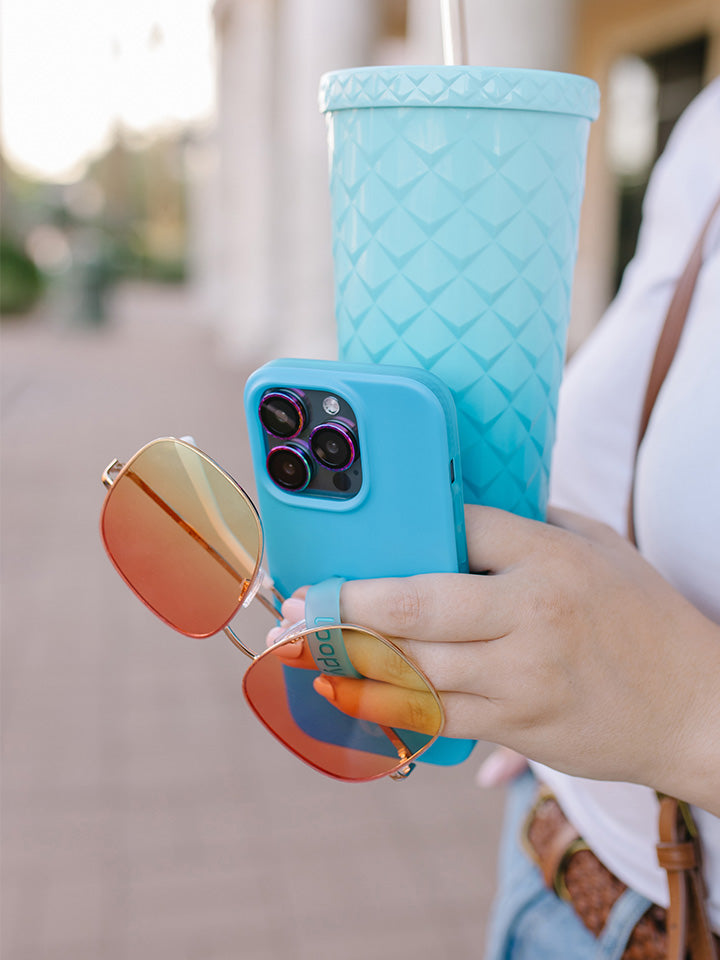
[72,72]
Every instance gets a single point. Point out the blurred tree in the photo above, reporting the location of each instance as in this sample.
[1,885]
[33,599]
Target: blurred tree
[21,282]
[126,218]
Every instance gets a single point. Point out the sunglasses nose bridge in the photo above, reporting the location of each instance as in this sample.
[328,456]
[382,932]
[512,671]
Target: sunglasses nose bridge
[266,592]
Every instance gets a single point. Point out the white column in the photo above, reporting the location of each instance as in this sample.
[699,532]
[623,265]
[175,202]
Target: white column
[277,292]
[205,240]
[245,160]
[314,36]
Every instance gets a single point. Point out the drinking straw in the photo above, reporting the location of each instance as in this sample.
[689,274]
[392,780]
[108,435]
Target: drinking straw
[452,17]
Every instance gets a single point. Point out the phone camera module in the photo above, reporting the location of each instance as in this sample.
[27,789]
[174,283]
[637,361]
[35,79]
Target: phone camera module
[341,482]
[282,413]
[333,445]
[289,467]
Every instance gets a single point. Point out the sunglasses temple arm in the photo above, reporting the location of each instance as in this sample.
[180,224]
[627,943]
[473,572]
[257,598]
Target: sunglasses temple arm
[278,596]
[263,588]
[273,608]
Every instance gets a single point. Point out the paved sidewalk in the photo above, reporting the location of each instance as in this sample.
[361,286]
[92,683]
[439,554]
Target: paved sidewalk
[146,815]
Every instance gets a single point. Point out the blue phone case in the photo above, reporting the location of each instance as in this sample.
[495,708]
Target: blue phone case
[408,515]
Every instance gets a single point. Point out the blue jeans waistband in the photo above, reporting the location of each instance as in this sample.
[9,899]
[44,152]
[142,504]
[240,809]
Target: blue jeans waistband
[529,922]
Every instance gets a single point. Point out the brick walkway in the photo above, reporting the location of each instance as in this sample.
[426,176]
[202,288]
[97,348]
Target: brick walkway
[146,815]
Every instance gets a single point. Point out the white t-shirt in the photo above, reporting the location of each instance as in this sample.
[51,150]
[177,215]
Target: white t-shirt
[677,509]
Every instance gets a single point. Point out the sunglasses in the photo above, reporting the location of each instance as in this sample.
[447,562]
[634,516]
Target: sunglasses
[188,541]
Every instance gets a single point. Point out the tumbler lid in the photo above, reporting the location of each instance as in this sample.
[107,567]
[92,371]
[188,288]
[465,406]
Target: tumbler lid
[505,88]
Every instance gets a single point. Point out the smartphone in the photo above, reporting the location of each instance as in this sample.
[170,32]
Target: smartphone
[358,475]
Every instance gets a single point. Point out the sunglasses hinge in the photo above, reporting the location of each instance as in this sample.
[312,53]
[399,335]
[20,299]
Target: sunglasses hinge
[110,473]
[403,773]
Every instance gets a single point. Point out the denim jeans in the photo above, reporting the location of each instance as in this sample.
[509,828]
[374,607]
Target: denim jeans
[530,922]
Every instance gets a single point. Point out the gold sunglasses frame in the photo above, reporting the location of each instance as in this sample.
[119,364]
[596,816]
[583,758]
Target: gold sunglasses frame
[260,585]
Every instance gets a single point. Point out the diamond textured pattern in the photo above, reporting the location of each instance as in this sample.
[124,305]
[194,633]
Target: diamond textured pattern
[454,243]
[436,86]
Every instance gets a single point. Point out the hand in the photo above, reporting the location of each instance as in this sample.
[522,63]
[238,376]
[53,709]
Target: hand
[571,649]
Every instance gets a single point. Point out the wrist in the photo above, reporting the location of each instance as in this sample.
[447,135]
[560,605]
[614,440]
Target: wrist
[690,765]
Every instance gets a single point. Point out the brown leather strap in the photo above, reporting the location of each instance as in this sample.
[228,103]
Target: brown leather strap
[688,927]
[689,932]
[666,347]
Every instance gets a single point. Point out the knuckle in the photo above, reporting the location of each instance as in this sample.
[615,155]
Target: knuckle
[418,717]
[408,607]
[548,607]
[393,668]
[558,595]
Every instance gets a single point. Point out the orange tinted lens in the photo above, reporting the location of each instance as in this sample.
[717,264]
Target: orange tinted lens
[367,742]
[183,535]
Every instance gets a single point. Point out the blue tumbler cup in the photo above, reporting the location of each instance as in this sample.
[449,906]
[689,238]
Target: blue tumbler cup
[455,196]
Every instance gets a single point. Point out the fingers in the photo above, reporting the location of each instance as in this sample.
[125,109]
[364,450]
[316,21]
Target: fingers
[445,607]
[379,661]
[442,608]
[461,672]
[382,703]
[371,657]
[293,609]
[465,716]
[497,540]
[394,694]
[294,653]
[583,526]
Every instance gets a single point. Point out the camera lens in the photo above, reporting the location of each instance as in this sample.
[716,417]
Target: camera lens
[289,468]
[333,446]
[282,413]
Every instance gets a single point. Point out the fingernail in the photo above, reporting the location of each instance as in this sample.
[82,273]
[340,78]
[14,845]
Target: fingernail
[324,687]
[278,630]
[293,609]
[292,650]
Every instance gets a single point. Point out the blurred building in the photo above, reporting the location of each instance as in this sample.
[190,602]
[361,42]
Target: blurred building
[262,217]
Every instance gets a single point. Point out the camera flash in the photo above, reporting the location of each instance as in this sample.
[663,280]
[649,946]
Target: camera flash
[331,406]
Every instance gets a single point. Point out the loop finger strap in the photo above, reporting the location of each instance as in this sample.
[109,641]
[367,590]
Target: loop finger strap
[322,609]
